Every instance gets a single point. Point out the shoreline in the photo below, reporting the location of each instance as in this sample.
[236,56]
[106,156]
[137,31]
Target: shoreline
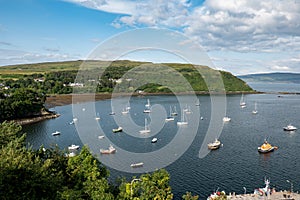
[67,99]
[31,120]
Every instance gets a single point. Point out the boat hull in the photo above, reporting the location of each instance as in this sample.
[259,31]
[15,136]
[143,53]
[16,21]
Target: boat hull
[289,129]
[135,165]
[265,151]
[214,147]
[117,130]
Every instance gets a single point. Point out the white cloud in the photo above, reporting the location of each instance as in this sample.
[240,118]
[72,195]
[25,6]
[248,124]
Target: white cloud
[280,68]
[241,26]
[9,57]
[237,25]
[111,6]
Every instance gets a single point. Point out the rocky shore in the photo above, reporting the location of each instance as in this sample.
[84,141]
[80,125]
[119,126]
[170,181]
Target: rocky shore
[42,116]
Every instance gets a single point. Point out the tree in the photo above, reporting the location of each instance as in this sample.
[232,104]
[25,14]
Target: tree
[23,175]
[87,178]
[149,186]
[189,196]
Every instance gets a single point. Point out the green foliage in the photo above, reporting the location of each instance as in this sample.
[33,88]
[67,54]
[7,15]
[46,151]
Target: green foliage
[148,186]
[20,103]
[87,177]
[189,196]
[47,173]
[23,175]
[10,131]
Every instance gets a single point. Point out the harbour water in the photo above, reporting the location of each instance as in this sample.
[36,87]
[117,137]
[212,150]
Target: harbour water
[233,167]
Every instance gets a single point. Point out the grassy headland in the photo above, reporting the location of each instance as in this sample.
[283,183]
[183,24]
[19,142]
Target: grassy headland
[54,76]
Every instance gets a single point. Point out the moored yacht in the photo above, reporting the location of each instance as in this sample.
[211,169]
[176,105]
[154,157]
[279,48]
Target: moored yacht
[73,147]
[154,140]
[214,145]
[110,150]
[226,119]
[290,127]
[119,129]
[140,164]
[266,147]
[56,133]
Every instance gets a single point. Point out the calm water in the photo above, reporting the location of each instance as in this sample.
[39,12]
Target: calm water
[235,165]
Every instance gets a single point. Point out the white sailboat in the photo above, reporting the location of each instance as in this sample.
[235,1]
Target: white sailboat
[174,112]
[226,119]
[188,110]
[255,109]
[146,129]
[147,107]
[183,119]
[242,102]
[148,104]
[170,117]
[126,110]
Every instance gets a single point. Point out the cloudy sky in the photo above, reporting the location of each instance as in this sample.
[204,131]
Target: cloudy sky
[240,36]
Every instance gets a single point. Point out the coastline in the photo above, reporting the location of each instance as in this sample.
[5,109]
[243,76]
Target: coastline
[43,116]
[67,99]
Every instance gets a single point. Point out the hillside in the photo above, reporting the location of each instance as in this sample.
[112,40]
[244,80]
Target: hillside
[57,76]
[272,77]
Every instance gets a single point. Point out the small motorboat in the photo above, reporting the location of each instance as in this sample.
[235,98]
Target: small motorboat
[147,111]
[73,147]
[110,150]
[154,140]
[119,129]
[226,119]
[214,145]
[266,147]
[134,165]
[56,133]
[170,118]
[112,113]
[290,127]
[101,137]
[71,154]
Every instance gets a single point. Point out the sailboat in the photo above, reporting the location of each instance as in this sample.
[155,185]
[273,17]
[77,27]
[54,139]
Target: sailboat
[174,112]
[170,117]
[146,129]
[188,110]
[242,102]
[255,109]
[183,119]
[126,110]
[148,104]
[147,107]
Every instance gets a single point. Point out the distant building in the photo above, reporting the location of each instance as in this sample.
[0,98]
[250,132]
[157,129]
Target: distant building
[39,79]
[76,84]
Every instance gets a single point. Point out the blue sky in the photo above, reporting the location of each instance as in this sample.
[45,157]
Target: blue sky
[240,36]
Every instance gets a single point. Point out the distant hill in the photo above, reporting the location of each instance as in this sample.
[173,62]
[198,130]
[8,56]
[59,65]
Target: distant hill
[277,77]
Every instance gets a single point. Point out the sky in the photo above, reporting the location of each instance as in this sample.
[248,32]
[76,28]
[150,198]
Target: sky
[239,36]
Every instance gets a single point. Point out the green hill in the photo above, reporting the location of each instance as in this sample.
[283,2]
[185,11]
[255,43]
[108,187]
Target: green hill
[56,76]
